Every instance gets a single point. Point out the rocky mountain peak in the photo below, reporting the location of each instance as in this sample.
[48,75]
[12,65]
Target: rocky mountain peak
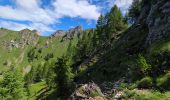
[59,33]
[28,32]
[74,31]
[28,37]
[69,33]
[77,28]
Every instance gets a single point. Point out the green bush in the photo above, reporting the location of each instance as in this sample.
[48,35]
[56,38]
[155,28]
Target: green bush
[128,94]
[145,83]
[138,67]
[132,86]
[143,64]
[149,96]
[164,82]
[94,94]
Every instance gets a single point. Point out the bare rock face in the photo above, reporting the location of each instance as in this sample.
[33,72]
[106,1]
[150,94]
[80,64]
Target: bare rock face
[158,21]
[73,32]
[28,37]
[143,15]
[90,91]
[69,34]
[59,33]
[156,16]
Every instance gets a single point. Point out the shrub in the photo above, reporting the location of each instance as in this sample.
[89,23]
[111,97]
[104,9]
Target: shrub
[145,83]
[163,82]
[49,56]
[143,65]
[123,85]
[128,94]
[138,67]
[149,95]
[94,94]
[132,86]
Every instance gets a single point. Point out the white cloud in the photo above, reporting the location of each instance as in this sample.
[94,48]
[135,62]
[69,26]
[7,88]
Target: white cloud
[18,26]
[41,27]
[42,18]
[76,8]
[13,25]
[122,4]
[27,10]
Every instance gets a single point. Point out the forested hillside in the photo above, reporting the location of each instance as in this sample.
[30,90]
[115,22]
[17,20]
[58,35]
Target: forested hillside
[126,57]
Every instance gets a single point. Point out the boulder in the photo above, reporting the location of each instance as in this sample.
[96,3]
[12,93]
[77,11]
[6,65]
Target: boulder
[90,91]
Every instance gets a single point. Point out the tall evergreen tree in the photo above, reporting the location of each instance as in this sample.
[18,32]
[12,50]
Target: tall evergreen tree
[115,23]
[64,77]
[100,28]
[134,10]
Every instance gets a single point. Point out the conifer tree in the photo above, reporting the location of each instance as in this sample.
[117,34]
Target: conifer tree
[12,86]
[134,10]
[115,23]
[64,77]
[100,28]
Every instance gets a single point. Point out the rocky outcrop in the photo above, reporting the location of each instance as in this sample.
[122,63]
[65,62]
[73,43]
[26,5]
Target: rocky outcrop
[59,33]
[25,37]
[90,91]
[74,31]
[156,16]
[158,21]
[69,34]
[28,37]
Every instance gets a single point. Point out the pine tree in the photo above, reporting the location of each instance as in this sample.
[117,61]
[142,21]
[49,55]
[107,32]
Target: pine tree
[100,28]
[50,78]
[64,77]
[12,86]
[134,10]
[115,23]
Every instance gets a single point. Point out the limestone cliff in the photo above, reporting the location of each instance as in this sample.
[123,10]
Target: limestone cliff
[156,16]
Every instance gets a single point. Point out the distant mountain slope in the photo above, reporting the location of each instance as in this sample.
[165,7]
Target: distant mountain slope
[16,45]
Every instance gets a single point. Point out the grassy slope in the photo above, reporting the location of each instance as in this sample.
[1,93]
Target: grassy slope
[5,55]
[34,89]
[113,65]
[19,58]
[19,55]
[130,41]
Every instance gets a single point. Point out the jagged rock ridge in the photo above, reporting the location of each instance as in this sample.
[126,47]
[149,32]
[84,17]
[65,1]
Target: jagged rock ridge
[26,37]
[69,33]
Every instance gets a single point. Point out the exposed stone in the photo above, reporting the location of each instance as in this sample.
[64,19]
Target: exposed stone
[85,92]
[59,33]
[158,21]
[28,37]
[119,95]
[69,34]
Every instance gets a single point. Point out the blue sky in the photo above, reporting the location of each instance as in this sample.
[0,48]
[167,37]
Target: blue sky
[47,16]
